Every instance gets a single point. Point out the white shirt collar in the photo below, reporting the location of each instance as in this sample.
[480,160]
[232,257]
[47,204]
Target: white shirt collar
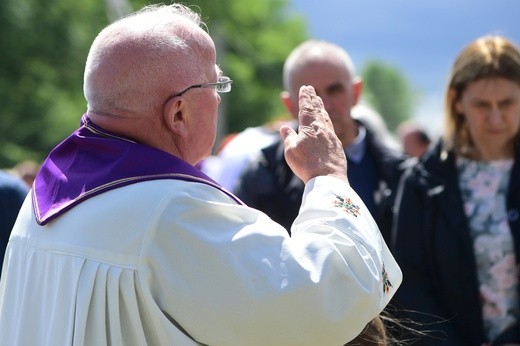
[356,150]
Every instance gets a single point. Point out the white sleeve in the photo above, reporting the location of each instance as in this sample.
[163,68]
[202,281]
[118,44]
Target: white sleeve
[229,275]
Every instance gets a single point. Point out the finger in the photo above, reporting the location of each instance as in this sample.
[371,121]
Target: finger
[287,134]
[310,106]
[305,110]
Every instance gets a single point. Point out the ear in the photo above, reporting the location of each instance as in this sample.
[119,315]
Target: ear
[289,104]
[357,89]
[175,118]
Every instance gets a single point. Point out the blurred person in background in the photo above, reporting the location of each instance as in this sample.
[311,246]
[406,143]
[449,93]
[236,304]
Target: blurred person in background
[27,171]
[376,124]
[457,229]
[414,138]
[12,194]
[234,154]
[373,167]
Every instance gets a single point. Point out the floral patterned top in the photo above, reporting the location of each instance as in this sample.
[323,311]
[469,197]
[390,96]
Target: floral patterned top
[484,187]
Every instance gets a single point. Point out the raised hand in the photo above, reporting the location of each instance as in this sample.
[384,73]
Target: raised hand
[315,150]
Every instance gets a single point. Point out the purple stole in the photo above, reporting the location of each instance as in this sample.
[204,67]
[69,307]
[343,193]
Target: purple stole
[92,161]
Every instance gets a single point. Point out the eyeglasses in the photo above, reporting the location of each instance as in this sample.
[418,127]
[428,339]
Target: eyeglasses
[222,86]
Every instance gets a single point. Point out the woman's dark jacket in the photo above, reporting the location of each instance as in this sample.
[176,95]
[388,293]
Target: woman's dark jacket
[432,244]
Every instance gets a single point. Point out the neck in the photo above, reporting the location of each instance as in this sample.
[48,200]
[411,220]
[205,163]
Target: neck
[143,130]
[350,134]
[487,153]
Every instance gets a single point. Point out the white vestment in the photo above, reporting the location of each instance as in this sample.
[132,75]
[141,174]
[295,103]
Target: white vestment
[171,262]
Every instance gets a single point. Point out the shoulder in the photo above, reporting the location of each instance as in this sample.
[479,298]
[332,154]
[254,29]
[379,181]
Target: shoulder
[266,160]
[432,168]
[258,175]
[12,185]
[154,192]
[274,153]
[516,165]
[382,150]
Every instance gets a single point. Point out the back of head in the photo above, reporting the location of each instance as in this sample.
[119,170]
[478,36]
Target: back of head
[310,52]
[486,57]
[413,137]
[131,61]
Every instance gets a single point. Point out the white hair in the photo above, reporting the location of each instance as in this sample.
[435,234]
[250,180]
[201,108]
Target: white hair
[130,58]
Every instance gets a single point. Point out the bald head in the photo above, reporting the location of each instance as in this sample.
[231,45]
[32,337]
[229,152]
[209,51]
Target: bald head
[134,63]
[329,69]
[310,53]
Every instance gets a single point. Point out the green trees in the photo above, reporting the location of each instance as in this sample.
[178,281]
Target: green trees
[253,39]
[388,91]
[43,48]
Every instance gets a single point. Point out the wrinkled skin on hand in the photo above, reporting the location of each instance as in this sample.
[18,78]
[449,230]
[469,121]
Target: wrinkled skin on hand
[315,150]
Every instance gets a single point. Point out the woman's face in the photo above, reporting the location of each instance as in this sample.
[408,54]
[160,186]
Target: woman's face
[491,108]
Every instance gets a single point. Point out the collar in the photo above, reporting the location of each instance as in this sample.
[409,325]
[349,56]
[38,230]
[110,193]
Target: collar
[92,161]
[356,150]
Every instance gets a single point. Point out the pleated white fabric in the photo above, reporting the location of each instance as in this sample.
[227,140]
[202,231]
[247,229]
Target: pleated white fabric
[170,262]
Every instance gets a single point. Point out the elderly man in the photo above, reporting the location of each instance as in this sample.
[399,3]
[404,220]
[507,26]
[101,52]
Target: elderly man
[125,242]
[373,167]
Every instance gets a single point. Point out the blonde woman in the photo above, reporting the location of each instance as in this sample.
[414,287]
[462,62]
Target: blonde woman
[456,235]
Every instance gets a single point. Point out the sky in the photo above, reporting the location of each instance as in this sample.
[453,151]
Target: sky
[419,37]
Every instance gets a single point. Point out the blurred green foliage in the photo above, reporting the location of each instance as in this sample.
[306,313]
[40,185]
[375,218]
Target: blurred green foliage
[388,91]
[44,45]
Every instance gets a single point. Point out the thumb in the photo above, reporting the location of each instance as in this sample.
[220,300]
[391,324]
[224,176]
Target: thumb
[286,131]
